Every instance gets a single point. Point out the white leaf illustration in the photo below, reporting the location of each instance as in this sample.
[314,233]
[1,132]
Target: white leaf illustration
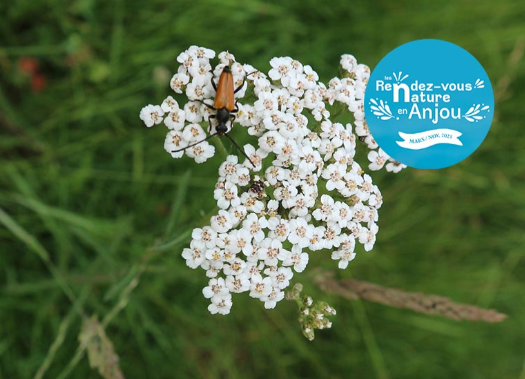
[474,111]
[381,109]
[479,84]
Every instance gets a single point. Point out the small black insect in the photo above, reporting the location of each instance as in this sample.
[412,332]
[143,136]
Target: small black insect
[258,187]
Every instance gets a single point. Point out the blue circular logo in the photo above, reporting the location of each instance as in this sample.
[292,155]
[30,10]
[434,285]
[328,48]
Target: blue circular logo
[429,104]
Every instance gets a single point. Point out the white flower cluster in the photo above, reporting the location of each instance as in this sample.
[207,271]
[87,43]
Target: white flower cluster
[350,91]
[309,195]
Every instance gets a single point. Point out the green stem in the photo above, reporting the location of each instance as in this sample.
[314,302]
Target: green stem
[221,148]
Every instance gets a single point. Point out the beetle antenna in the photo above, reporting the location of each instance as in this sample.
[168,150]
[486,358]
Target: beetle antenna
[196,143]
[241,150]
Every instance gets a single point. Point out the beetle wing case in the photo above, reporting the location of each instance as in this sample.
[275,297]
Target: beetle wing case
[224,97]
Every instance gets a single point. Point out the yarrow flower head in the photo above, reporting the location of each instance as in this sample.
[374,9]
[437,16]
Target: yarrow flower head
[299,193]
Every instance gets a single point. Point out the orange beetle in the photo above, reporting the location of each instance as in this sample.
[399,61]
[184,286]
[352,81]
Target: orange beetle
[224,104]
[225,107]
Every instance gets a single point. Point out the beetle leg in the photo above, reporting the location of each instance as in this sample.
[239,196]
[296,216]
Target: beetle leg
[243,81]
[240,87]
[208,105]
[236,109]
[232,119]
[213,82]
[209,121]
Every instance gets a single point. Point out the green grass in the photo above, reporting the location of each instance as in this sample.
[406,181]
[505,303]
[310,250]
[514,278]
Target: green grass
[90,202]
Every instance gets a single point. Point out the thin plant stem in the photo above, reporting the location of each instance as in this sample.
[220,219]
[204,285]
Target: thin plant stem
[220,146]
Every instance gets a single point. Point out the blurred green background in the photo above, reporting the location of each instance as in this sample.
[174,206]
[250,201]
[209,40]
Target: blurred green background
[86,190]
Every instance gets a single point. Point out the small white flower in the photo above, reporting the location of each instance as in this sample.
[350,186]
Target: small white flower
[169,104]
[269,251]
[282,277]
[256,156]
[378,159]
[221,304]
[260,287]
[348,62]
[237,214]
[312,99]
[326,209]
[193,133]
[179,81]
[361,213]
[271,142]
[197,89]
[272,208]
[236,267]
[195,255]
[216,287]
[311,160]
[317,241]
[297,259]
[272,298]
[366,187]
[266,104]
[395,167]
[206,235]
[311,76]
[203,70]
[253,271]
[237,284]
[346,93]
[298,84]
[255,226]
[300,232]
[376,199]
[229,167]
[244,241]
[175,119]
[188,60]
[282,69]
[373,215]
[251,202]
[192,111]
[279,228]
[332,235]
[227,196]
[215,256]
[343,156]
[275,174]
[368,237]
[247,116]
[213,268]
[227,242]
[151,115]
[222,222]
[201,53]
[226,57]
[175,141]
[334,173]
[301,206]
[362,72]
[242,177]
[201,152]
